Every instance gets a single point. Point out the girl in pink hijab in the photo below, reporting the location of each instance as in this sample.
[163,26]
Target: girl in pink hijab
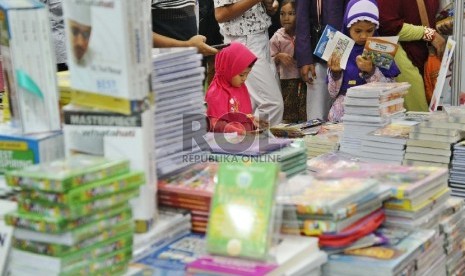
[229,108]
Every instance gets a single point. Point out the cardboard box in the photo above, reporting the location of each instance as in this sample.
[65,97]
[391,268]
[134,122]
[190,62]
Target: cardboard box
[109,52]
[29,65]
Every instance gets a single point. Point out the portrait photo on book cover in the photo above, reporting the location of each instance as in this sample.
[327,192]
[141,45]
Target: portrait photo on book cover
[80,30]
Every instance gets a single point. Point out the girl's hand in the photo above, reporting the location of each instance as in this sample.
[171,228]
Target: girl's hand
[285,59]
[334,63]
[260,124]
[364,64]
[439,43]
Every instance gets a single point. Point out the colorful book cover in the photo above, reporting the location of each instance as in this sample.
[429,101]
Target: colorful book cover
[335,42]
[90,192]
[393,133]
[172,258]
[227,266]
[41,223]
[241,214]
[64,174]
[325,196]
[381,50]
[54,249]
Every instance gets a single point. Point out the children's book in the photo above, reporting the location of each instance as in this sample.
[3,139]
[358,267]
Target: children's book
[333,41]
[241,214]
[381,50]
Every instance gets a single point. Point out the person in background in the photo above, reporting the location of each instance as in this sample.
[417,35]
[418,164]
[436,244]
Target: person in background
[361,20]
[313,15]
[174,24]
[229,108]
[58,32]
[247,21]
[402,18]
[293,89]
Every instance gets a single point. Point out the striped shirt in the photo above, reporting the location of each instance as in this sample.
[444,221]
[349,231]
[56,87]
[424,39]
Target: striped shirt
[172,4]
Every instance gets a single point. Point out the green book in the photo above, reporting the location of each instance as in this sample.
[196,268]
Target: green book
[47,209]
[91,191]
[240,223]
[64,174]
[54,249]
[41,223]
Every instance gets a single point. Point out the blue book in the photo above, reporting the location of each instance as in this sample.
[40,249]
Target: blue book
[171,259]
[335,42]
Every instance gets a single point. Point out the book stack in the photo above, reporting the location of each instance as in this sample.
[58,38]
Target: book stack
[400,255]
[331,160]
[293,255]
[292,158]
[73,217]
[172,256]
[29,72]
[339,211]
[418,196]
[430,141]
[115,135]
[171,223]
[326,140]
[457,175]
[179,110]
[115,78]
[386,144]
[452,227]
[368,107]
[192,190]
[296,130]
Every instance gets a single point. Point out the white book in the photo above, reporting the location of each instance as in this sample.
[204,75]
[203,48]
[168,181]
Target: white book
[332,42]
[29,66]
[441,152]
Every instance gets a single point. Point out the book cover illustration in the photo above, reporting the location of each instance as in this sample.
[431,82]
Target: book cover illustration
[381,50]
[392,133]
[240,223]
[64,174]
[334,41]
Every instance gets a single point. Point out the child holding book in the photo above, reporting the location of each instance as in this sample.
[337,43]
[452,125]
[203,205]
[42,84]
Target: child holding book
[293,88]
[229,108]
[360,22]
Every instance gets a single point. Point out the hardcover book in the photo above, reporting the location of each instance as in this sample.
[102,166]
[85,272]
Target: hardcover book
[241,216]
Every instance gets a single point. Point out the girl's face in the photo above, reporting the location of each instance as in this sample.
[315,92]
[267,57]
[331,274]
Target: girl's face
[239,79]
[287,18]
[361,30]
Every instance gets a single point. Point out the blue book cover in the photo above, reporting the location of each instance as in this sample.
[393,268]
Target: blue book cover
[171,259]
[334,42]
[328,33]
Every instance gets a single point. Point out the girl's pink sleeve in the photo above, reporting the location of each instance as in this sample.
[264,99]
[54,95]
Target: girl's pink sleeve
[274,46]
[334,85]
[218,125]
[379,77]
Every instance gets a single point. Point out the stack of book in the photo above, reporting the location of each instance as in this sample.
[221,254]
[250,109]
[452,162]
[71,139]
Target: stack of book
[402,254]
[170,257]
[386,144]
[179,107]
[340,211]
[418,196]
[171,223]
[293,255]
[368,107]
[452,227]
[292,158]
[326,140]
[191,190]
[457,170]
[73,217]
[430,141]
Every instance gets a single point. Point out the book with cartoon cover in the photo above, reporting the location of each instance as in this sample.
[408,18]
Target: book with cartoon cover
[335,42]
[381,50]
[63,174]
[392,133]
[241,214]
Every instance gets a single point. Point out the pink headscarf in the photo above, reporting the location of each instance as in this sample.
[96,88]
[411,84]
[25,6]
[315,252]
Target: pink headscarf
[223,98]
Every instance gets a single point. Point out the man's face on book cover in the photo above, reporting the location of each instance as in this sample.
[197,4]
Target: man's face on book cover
[80,35]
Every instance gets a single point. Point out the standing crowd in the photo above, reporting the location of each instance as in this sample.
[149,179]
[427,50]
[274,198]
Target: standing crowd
[274,77]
